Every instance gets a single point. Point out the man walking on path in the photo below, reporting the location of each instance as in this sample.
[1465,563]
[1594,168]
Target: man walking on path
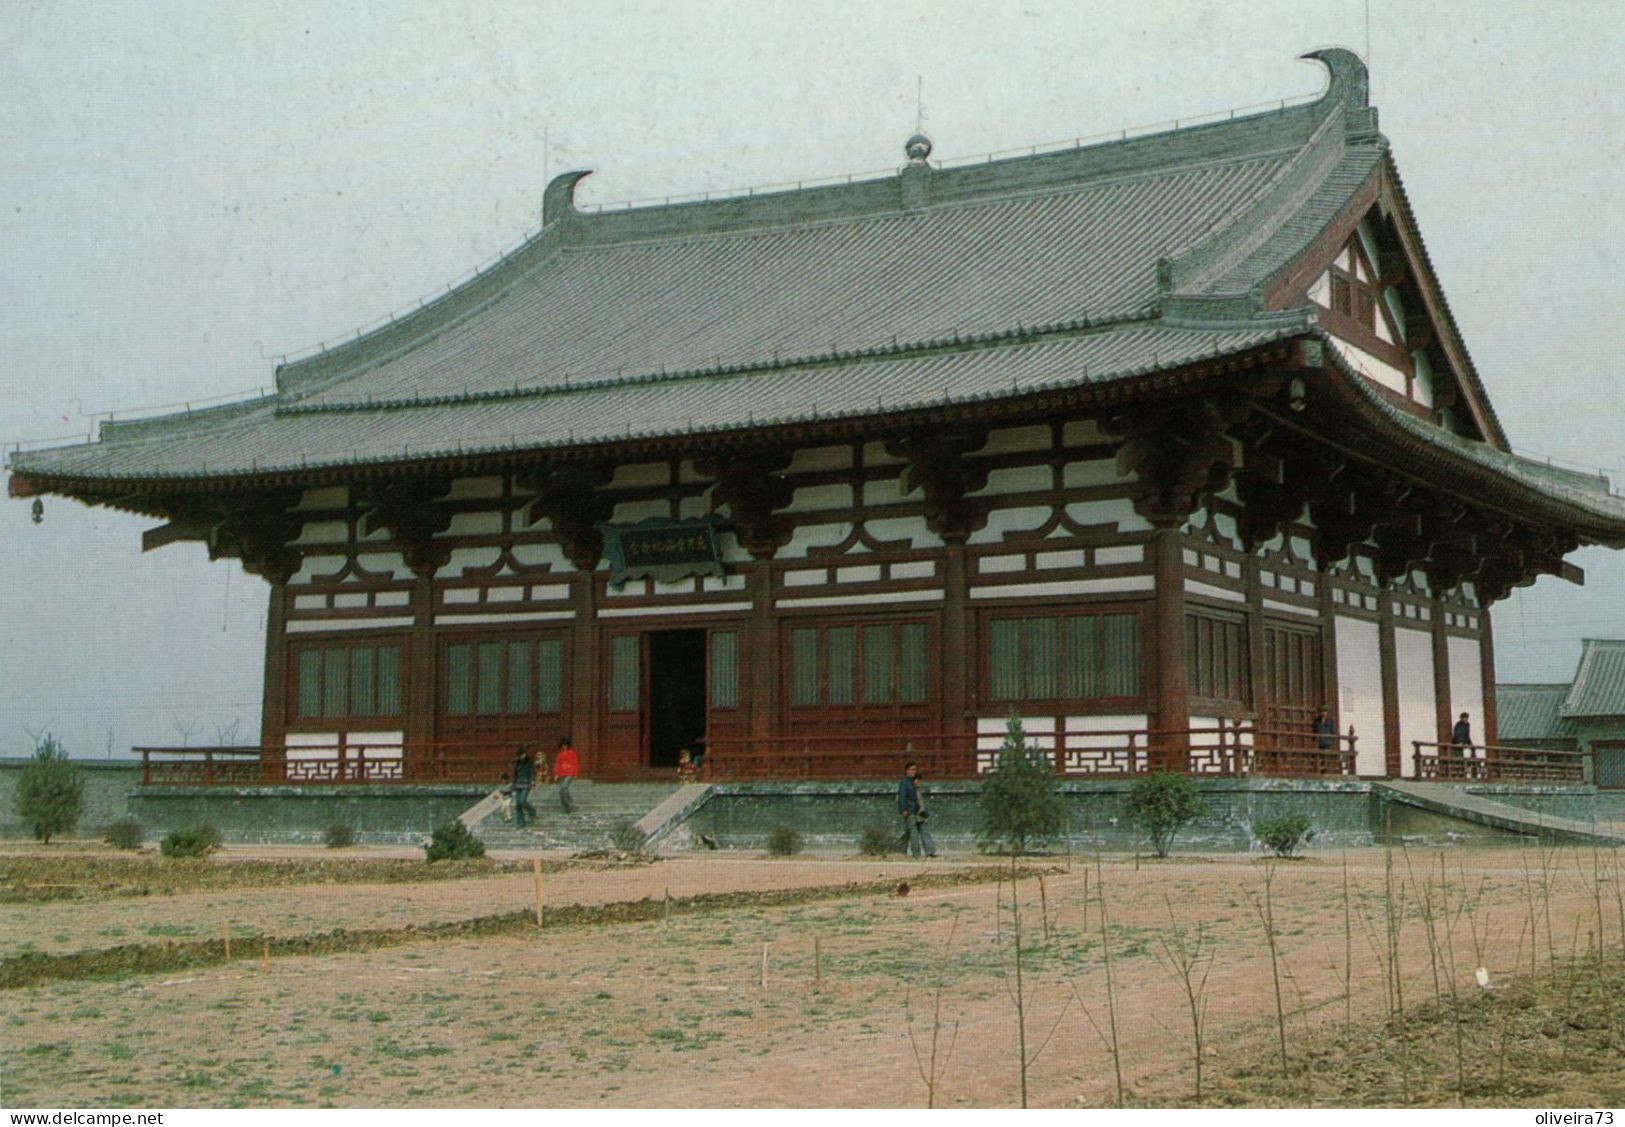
[916,838]
[524,777]
[566,766]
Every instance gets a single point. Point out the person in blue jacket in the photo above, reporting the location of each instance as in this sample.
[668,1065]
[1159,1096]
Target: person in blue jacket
[911,808]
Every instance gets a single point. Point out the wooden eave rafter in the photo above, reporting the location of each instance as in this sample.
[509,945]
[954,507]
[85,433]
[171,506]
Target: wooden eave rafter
[1340,417]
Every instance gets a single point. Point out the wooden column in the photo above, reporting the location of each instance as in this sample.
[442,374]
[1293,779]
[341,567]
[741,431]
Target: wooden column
[274,703]
[1443,714]
[763,654]
[1257,674]
[1392,753]
[422,662]
[956,664]
[1170,694]
[1490,732]
[1329,694]
[588,690]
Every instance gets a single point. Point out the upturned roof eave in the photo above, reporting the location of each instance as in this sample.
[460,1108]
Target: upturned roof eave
[1406,441]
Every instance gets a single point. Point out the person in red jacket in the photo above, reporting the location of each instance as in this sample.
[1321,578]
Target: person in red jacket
[566,766]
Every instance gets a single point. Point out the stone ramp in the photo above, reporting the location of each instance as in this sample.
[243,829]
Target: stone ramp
[601,809]
[657,825]
[1455,801]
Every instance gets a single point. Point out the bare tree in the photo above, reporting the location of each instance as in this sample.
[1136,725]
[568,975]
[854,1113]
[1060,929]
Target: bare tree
[931,1066]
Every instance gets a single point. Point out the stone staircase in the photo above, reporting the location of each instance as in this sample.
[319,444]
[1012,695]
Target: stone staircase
[600,809]
[1454,801]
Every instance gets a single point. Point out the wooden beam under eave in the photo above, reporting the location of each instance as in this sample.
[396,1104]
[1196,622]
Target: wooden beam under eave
[19,485]
[174,531]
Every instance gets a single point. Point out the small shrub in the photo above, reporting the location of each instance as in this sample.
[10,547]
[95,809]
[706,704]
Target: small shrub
[453,841]
[50,792]
[1021,797]
[1163,802]
[126,833]
[784,841]
[1285,835]
[199,841]
[877,841]
[627,838]
[338,836]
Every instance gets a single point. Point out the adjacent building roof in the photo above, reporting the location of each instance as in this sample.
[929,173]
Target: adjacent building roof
[938,287]
[1531,712]
[1599,682]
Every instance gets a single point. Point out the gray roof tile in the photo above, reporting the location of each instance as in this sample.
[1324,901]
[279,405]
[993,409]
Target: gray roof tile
[1599,683]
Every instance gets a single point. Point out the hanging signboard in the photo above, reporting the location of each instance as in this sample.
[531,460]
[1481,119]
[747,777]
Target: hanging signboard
[661,549]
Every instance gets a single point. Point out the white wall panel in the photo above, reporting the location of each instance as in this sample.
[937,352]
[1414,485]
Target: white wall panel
[1359,691]
[1467,683]
[1413,652]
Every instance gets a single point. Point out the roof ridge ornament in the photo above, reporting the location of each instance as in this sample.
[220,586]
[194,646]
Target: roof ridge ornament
[558,201]
[1348,85]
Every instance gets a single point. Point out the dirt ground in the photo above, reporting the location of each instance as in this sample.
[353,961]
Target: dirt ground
[824,1003]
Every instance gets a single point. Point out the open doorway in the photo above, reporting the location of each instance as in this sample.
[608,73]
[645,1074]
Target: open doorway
[676,694]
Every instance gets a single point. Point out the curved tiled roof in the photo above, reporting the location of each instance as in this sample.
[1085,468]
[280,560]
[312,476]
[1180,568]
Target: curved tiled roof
[937,287]
[1599,683]
[1530,712]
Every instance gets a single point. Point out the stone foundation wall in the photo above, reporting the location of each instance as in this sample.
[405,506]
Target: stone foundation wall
[834,815]
[108,786]
[381,815]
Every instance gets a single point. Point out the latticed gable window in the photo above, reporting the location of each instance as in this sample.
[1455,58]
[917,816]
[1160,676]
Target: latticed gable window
[875,664]
[1064,657]
[497,678]
[347,681]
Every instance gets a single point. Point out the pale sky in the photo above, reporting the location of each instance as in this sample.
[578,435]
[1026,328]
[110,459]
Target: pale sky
[192,189]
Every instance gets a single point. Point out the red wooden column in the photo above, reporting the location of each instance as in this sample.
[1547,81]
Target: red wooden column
[763,653]
[1443,715]
[1392,752]
[274,703]
[1256,665]
[1486,660]
[1170,693]
[421,665]
[955,663]
[1328,651]
[588,693]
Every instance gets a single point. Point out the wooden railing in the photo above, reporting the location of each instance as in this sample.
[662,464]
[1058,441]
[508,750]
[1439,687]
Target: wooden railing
[1233,749]
[1483,764]
[348,762]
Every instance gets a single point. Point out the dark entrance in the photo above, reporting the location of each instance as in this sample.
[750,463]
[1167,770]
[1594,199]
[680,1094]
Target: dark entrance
[676,694]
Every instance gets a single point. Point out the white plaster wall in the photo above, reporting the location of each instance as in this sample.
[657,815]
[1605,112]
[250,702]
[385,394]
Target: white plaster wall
[1000,521]
[813,536]
[912,529]
[475,524]
[1366,364]
[464,558]
[817,498]
[643,473]
[630,512]
[821,458]
[1102,471]
[1118,511]
[1013,440]
[1016,479]
[1359,691]
[1413,654]
[1467,683]
[465,488]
